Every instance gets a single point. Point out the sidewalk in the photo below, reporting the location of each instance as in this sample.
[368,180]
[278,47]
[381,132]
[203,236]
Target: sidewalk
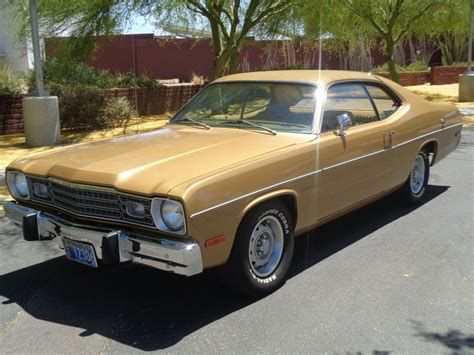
[467,110]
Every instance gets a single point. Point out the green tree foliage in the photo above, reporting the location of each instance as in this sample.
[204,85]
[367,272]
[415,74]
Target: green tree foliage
[228,22]
[389,20]
[449,27]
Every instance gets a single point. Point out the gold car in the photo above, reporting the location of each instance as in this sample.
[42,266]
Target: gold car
[251,162]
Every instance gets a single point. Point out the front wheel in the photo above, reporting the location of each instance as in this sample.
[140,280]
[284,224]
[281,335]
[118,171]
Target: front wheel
[414,189]
[262,251]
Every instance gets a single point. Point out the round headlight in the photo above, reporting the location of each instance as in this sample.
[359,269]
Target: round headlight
[18,185]
[172,215]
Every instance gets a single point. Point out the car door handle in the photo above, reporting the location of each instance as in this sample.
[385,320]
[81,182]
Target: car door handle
[388,139]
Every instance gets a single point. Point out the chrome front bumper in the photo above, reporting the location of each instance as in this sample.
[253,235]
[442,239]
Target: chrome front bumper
[111,246]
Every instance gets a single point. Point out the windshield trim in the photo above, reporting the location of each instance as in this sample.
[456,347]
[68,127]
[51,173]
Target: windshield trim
[295,82]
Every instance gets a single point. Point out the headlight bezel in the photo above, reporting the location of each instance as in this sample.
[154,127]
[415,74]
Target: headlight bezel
[160,223]
[15,191]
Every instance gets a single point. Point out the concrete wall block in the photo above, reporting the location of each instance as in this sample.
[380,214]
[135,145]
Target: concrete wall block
[41,117]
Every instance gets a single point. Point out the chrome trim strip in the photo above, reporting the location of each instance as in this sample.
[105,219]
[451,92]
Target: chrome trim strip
[74,185]
[123,222]
[319,171]
[286,181]
[354,159]
[254,192]
[90,187]
[426,135]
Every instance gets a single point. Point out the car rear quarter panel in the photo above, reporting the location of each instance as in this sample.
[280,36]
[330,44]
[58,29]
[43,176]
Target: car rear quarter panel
[418,123]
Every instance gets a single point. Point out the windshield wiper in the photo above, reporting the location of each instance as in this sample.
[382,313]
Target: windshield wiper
[193,121]
[249,123]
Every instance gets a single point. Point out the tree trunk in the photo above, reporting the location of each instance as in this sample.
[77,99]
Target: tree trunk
[226,63]
[393,70]
[234,60]
[218,67]
[390,46]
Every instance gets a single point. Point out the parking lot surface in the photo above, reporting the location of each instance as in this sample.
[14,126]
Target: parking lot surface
[383,279]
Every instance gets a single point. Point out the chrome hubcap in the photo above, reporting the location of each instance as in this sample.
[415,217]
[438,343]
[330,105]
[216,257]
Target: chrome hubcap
[417,177]
[266,246]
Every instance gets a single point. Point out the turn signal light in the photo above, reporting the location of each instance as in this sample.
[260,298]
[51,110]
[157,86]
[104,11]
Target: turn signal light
[214,241]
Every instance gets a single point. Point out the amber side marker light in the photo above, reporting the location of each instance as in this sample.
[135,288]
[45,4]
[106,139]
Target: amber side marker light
[214,241]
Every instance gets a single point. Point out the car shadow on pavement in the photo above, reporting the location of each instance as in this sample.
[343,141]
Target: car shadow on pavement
[334,236]
[151,310]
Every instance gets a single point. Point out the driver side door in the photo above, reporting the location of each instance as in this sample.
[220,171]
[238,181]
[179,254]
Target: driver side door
[356,165]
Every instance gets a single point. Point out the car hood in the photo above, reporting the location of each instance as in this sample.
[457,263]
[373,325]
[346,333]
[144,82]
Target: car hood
[154,162]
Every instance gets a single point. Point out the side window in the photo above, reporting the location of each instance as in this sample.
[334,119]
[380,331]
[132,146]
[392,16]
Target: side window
[384,103]
[351,99]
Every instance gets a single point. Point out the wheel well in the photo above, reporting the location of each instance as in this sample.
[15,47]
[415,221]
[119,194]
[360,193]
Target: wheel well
[287,199]
[290,203]
[431,148]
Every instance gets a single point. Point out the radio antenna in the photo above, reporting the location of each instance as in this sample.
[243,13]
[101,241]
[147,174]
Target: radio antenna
[320,47]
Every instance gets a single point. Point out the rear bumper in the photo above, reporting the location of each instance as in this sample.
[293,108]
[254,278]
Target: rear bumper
[111,246]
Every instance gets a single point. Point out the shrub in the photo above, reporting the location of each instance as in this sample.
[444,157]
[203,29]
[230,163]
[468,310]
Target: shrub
[71,72]
[116,112]
[197,79]
[384,68]
[415,66]
[457,64]
[10,84]
[79,105]
[131,80]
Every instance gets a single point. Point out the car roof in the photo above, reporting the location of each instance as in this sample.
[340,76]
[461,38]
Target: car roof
[323,77]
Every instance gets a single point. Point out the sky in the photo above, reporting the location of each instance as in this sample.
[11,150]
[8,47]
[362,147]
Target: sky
[141,25]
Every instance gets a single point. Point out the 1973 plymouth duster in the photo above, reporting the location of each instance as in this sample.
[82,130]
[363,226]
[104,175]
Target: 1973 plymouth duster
[249,163]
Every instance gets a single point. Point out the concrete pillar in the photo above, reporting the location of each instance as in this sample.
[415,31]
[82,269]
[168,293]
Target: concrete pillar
[466,87]
[41,116]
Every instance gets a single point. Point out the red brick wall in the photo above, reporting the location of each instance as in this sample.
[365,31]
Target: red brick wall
[437,76]
[11,114]
[446,75]
[411,78]
[167,98]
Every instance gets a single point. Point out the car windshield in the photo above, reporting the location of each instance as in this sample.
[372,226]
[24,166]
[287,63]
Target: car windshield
[277,107]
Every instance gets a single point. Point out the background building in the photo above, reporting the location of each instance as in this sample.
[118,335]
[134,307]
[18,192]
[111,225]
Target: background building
[14,51]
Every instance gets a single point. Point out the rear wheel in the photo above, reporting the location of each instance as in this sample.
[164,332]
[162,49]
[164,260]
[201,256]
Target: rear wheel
[414,189]
[262,251]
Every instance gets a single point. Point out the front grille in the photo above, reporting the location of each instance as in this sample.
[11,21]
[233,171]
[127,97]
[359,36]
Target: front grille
[89,201]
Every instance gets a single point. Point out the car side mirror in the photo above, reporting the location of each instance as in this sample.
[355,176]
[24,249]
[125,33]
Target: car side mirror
[344,122]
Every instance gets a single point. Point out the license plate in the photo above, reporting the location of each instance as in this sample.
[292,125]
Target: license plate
[80,252]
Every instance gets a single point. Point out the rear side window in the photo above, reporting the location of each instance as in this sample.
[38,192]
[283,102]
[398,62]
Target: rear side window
[351,99]
[385,103]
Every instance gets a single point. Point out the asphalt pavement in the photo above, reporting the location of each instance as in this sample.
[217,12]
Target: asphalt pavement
[385,279]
